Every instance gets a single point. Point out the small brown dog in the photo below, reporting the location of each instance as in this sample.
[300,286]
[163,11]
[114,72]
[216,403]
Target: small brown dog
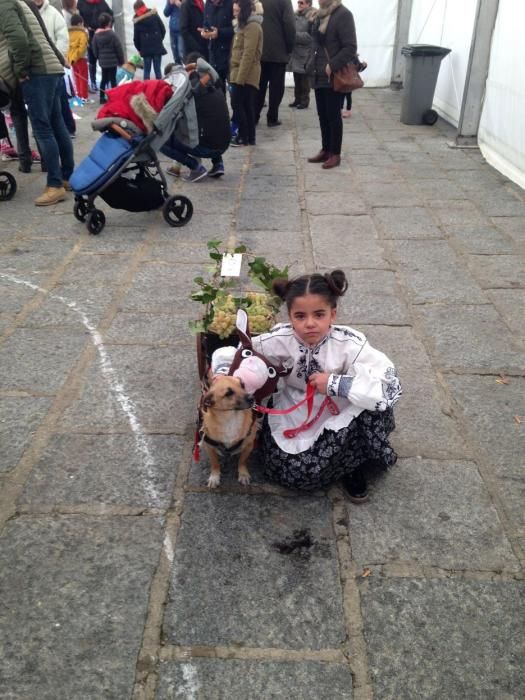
[228,425]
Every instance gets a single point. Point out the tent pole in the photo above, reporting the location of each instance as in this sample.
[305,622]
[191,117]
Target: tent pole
[477,73]
[118,14]
[404,13]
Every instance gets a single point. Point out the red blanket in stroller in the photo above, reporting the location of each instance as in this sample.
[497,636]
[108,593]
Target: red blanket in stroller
[124,101]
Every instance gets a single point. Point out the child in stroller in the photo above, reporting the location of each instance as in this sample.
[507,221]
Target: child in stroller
[123,167]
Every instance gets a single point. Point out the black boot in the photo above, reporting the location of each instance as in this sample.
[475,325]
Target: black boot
[356,486]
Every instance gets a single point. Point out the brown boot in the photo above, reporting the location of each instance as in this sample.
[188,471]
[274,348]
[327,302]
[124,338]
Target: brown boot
[321,157]
[51,195]
[332,162]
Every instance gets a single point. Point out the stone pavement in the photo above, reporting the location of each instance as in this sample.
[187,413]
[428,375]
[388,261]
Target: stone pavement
[122,576]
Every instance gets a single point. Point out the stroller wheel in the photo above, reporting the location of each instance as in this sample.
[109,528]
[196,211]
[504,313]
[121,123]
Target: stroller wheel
[96,221]
[430,117]
[80,210]
[177,210]
[7,186]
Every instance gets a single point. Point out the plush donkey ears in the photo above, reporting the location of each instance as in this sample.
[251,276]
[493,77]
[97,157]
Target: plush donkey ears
[242,328]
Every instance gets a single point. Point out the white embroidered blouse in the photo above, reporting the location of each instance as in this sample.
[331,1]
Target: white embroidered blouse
[361,378]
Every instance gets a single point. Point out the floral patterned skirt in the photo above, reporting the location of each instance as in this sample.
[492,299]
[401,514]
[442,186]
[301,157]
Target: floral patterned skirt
[334,454]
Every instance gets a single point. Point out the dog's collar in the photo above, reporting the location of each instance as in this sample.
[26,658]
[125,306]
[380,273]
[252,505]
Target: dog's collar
[233,448]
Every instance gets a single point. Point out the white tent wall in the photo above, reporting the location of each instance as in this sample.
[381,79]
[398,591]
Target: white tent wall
[450,24]
[375,23]
[501,133]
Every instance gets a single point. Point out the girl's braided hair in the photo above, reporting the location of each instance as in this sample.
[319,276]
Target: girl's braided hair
[331,286]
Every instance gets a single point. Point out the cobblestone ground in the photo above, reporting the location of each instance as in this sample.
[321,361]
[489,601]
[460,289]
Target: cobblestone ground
[122,576]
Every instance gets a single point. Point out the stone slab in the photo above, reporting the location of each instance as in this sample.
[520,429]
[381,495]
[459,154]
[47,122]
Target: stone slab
[498,271]
[372,298]
[468,337]
[201,228]
[428,190]
[214,679]
[406,222]
[242,589]
[156,385]
[72,306]
[96,269]
[480,240]
[255,213]
[389,195]
[458,213]
[105,469]
[37,360]
[35,254]
[13,295]
[161,288]
[432,512]
[74,596]
[510,304]
[512,226]
[334,203]
[490,409]
[444,639]
[347,242]
[150,329]
[434,273]
[19,419]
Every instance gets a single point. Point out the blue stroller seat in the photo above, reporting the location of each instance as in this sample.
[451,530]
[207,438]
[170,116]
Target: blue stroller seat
[107,156]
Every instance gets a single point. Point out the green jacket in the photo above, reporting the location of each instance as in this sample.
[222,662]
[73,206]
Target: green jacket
[245,60]
[24,48]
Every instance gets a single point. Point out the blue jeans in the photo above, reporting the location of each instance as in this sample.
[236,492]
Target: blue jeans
[177,46]
[176,150]
[42,96]
[156,66]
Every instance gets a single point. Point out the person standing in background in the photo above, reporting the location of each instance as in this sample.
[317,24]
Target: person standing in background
[109,52]
[279,39]
[191,21]
[218,32]
[76,56]
[148,36]
[172,10]
[300,52]
[69,8]
[90,11]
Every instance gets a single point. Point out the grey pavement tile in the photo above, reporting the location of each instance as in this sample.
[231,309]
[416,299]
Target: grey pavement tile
[253,214]
[378,159]
[253,583]
[14,294]
[113,239]
[458,212]
[434,273]
[280,248]
[201,228]
[489,409]
[162,287]
[19,419]
[215,679]
[71,306]
[471,337]
[74,597]
[498,271]
[480,240]
[514,226]
[106,469]
[406,222]
[279,197]
[200,470]
[372,297]
[397,194]
[96,270]
[35,254]
[376,173]
[444,639]
[500,204]
[156,385]
[38,360]
[316,180]
[429,190]
[149,329]
[416,172]
[510,304]
[179,251]
[346,241]
[432,512]
[332,202]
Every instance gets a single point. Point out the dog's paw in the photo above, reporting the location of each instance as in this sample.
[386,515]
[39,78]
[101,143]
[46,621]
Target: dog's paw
[214,480]
[244,479]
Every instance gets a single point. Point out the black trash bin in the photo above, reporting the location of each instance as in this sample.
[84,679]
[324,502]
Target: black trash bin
[421,74]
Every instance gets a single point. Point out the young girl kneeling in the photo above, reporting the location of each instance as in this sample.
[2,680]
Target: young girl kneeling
[347,428]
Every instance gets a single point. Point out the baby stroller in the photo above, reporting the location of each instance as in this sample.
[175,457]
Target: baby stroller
[123,168]
[7,181]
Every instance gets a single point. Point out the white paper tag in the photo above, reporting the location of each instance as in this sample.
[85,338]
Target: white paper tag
[231,265]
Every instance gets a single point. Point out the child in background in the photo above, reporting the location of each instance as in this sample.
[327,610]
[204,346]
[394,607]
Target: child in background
[76,56]
[346,431]
[108,51]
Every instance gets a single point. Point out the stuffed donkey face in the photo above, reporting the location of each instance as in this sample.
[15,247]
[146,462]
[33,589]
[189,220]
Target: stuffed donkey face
[275,370]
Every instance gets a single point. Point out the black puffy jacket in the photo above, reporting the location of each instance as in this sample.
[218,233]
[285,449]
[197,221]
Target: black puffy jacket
[220,17]
[148,34]
[90,11]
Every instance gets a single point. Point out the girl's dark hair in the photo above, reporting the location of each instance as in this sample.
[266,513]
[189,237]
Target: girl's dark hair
[330,286]
[104,20]
[245,10]
[76,20]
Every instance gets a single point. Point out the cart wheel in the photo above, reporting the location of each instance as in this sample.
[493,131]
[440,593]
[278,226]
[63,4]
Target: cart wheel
[201,356]
[177,210]
[7,186]
[430,117]
[80,210]
[95,221]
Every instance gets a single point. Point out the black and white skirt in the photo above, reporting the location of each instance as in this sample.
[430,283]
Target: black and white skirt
[334,454]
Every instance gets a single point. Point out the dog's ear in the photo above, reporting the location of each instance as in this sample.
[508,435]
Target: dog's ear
[208,401]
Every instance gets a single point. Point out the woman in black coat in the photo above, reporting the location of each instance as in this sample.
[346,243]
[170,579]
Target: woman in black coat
[148,37]
[191,22]
[218,32]
[334,45]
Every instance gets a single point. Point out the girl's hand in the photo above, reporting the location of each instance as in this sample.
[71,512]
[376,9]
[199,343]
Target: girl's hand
[319,380]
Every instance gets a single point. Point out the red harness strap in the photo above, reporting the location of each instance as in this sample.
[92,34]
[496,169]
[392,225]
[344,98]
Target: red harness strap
[307,423]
